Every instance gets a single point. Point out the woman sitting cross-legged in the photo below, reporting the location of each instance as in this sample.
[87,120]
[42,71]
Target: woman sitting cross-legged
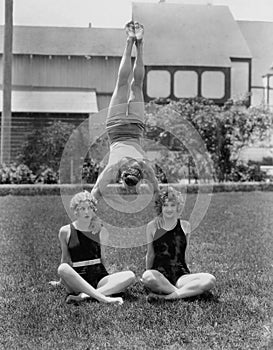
[167,274]
[82,269]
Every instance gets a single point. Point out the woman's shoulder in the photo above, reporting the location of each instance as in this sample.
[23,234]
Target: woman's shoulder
[152,224]
[65,228]
[64,232]
[151,227]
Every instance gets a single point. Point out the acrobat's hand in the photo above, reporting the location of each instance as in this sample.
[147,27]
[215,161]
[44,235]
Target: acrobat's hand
[149,175]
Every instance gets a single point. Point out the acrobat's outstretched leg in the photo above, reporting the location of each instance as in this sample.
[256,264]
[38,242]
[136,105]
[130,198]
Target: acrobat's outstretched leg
[136,100]
[120,94]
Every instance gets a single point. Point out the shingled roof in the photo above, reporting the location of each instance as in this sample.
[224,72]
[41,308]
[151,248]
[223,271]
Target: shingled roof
[259,36]
[66,41]
[175,34]
[179,34]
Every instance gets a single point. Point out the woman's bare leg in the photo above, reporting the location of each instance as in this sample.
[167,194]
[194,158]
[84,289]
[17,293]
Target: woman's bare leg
[78,285]
[157,283]
[192,285]
[116,282]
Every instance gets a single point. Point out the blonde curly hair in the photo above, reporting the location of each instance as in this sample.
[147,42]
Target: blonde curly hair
[169,194]
[84,196]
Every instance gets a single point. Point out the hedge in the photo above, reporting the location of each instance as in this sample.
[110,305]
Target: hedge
[57,189]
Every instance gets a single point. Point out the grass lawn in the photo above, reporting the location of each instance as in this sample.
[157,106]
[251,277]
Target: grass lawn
[234,242]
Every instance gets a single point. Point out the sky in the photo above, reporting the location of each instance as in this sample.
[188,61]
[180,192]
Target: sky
[114,13]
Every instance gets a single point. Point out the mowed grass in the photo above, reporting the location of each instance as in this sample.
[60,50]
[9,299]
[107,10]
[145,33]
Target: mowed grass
[234,242]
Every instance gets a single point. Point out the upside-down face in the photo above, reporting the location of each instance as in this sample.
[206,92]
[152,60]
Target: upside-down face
[131,173]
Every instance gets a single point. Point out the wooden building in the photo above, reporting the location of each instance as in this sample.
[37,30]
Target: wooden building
[194,50]
[62,73]
[260,42]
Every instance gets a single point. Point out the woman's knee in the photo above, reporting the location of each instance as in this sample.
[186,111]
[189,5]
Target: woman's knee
[149,279]
[131,277]
[209,281]
[63,269]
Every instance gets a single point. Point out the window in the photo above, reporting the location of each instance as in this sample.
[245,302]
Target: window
[213,84]
[158,83]
[185,84]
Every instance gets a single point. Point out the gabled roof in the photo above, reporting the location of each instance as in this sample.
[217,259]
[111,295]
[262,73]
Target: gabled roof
[179,34]
[259,36]
[66,41]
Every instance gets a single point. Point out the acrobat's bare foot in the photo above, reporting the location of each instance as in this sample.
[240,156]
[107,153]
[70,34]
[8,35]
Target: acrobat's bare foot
[139,31]
[130,30]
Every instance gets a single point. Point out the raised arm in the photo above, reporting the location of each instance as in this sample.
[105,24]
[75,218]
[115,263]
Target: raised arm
[106,177]
[149,175]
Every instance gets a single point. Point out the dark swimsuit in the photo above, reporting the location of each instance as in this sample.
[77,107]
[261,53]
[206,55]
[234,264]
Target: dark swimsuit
[82,248]
[169,248]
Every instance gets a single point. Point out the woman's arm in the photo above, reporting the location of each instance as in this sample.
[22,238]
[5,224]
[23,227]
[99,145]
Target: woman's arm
[186,228]
[104,235]
[106,177]
[150,255]
[64,234]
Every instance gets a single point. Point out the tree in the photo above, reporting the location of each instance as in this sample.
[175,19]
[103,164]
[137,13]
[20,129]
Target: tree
[223,130]
[44,147]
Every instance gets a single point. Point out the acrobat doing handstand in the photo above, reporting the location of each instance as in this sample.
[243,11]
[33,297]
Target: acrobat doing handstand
[125,124]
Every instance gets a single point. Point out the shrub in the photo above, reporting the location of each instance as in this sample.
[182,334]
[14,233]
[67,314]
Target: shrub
[44,147]
[21,174]
[16,174]
[90,171]
[242,172]
[47,176]
[224,130]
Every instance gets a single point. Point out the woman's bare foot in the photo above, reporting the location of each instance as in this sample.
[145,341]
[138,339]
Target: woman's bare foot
[55,283]
[82,296]
[76,298]
[154,297]
[115,300]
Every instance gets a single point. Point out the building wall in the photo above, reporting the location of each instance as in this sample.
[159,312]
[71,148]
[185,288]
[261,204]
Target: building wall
[64,72]
[58,72]
[24,123]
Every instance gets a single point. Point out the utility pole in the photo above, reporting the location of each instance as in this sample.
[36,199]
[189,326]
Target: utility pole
[7,84]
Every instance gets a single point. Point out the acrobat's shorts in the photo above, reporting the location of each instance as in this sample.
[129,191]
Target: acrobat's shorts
[92,274]
[125,122]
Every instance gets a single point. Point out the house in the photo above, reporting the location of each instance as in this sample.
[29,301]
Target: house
[63,73]
[260,42]
[193,50]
